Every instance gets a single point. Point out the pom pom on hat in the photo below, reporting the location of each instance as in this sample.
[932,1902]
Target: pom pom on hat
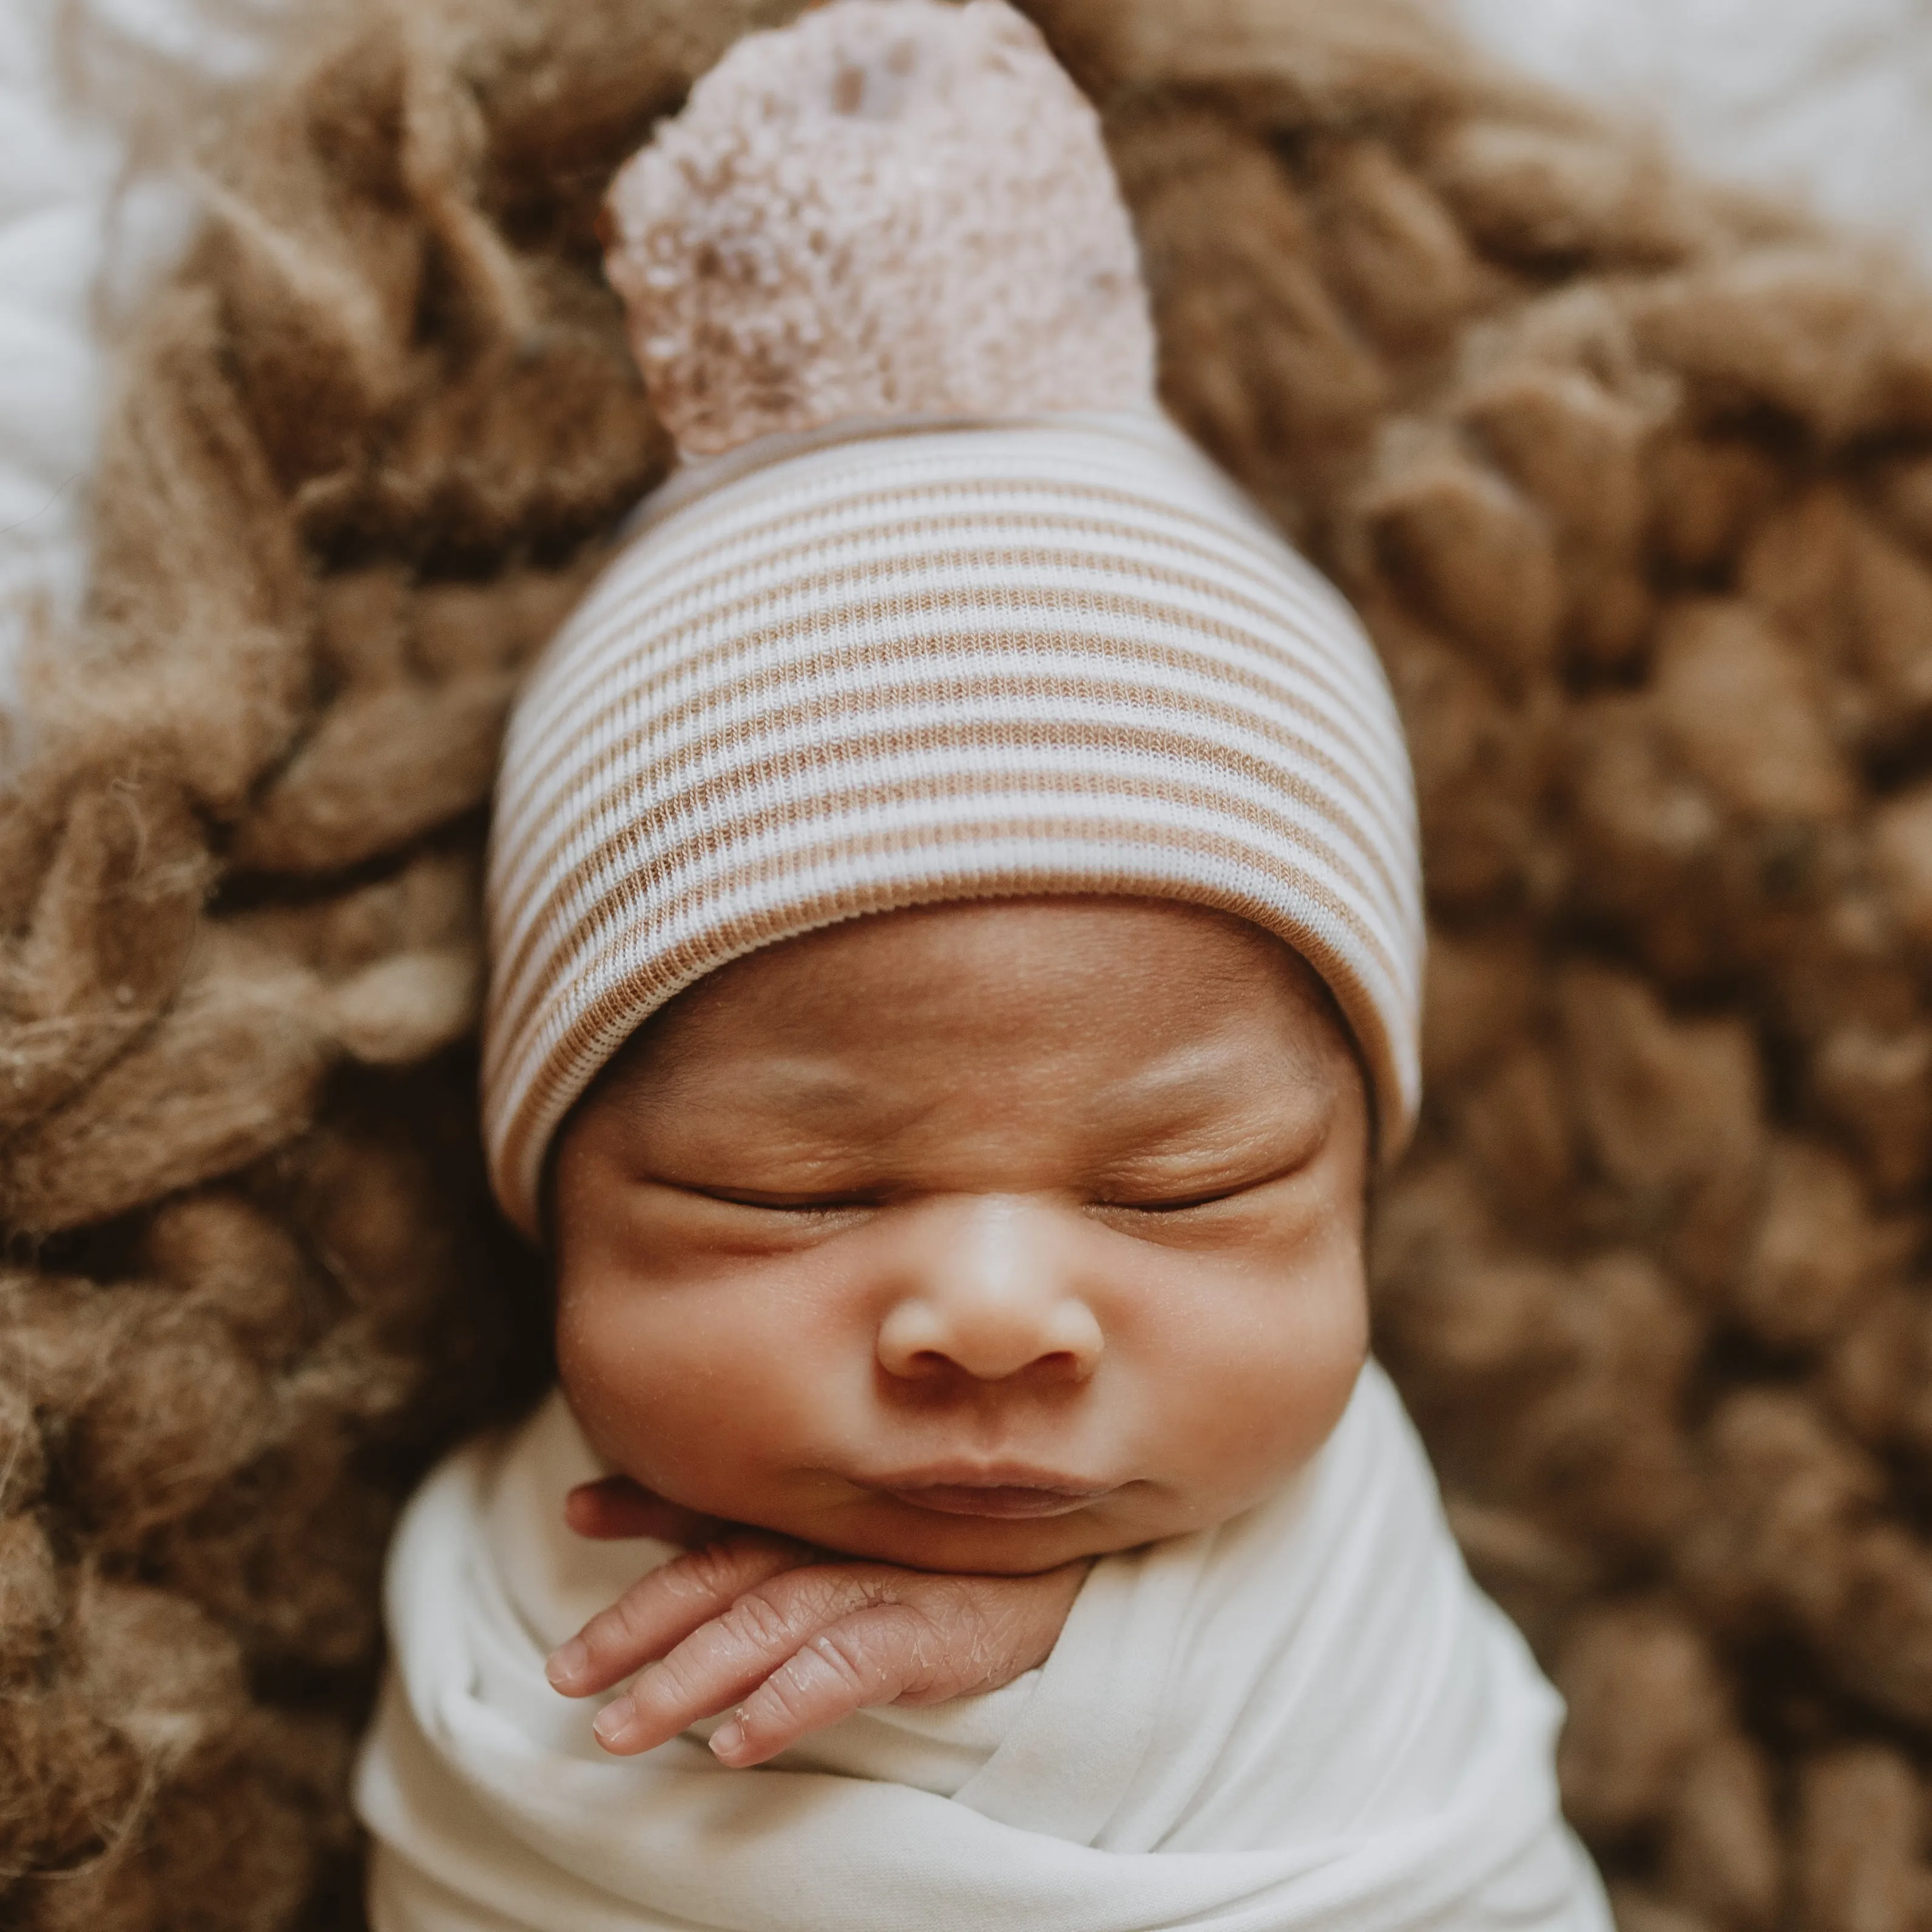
[891,208]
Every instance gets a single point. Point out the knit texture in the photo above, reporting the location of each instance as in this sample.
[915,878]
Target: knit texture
[1055,655]
[891,207]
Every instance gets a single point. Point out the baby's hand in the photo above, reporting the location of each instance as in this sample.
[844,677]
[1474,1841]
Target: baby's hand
[795,1638]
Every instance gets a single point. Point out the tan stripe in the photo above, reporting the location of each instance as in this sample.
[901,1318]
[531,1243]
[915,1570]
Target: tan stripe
[1174,732]
[670,582]
[1270,553]
[704,948]
[1382,817]
[644,633]
[1183,627]
[536,928]
[840,455]
[522,915]
[852,678]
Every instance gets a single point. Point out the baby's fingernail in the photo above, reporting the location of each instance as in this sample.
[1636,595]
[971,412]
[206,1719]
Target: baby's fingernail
[614,1724]
[566,1663]
[728,1739]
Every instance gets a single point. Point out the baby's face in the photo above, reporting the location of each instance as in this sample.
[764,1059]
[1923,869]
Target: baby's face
[979,1238]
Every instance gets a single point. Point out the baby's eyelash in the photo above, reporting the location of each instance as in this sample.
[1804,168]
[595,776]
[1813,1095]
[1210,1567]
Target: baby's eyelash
[830,1204]
[1179,1205]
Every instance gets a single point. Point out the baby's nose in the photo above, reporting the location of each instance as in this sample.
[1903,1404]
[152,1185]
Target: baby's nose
[987,1292]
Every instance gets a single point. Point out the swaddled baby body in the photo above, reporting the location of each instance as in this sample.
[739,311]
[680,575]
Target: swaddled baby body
[954,922]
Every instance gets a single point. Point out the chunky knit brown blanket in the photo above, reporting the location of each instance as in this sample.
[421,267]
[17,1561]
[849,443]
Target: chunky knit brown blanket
[1634,484]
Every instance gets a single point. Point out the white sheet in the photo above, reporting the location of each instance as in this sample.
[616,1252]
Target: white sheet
[1828,101]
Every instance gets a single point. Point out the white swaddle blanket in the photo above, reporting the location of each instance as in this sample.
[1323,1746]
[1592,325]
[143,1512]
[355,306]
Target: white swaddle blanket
[1309,1717]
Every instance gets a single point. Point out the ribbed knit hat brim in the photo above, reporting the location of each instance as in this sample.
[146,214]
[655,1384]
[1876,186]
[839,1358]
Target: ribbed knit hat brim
[1057,656]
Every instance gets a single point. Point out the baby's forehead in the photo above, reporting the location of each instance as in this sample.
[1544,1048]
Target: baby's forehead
[1040,968]
[1153,1020]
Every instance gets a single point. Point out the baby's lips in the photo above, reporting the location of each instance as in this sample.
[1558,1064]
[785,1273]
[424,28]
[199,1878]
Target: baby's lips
[998,1502]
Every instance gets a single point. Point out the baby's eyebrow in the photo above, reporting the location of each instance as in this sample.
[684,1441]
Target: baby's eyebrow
[1204,1148]
[803,1093]
[804,1086]
[1191,1086]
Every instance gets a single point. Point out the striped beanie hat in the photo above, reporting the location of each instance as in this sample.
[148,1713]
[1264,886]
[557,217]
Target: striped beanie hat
[938,606]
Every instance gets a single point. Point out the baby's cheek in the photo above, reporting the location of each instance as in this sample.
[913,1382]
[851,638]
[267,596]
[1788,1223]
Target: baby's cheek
[1269,1377]
[607,1365]
[634,1369]
[679,1389]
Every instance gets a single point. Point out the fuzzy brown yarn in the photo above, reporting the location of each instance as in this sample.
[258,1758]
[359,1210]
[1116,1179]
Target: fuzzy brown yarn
[1635,485]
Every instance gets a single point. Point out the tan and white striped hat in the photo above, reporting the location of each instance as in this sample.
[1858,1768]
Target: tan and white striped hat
[922,635]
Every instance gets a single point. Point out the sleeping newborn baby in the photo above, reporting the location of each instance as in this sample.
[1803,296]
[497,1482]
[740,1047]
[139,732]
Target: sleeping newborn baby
[955,934]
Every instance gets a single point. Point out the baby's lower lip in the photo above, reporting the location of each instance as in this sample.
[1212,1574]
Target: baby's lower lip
[1012,1502]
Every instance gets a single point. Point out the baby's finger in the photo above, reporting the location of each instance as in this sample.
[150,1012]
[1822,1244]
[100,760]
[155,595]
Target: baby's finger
[728,1656]
[876,1656]
[615,1508]
[662,1608]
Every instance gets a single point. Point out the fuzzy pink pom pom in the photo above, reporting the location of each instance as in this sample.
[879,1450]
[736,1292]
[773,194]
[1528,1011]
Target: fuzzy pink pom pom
[890,209]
